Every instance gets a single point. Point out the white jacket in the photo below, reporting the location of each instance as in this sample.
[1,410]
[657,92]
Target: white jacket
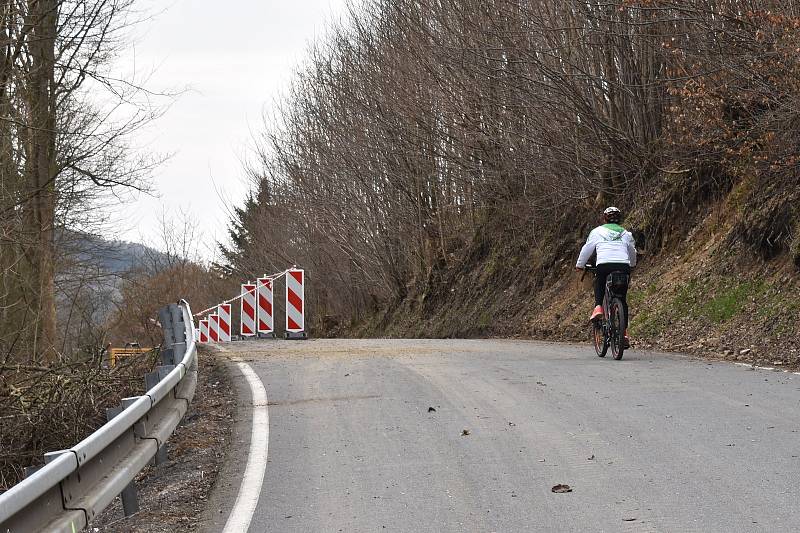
[612,243]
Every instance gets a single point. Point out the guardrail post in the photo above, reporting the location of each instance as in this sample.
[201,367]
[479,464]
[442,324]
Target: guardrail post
[179,328]
[161,456]
[177,352]
[167,356]
[151,379]
[129,497]
[30,470]
[66,499]
[52,456]
[165,317]
[111,412]
[163,371]
[179,333]
[173,323]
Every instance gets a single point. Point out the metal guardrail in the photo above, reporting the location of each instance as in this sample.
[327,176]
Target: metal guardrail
[75,485]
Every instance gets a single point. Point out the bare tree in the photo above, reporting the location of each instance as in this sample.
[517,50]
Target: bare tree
[64,151]
[418,129]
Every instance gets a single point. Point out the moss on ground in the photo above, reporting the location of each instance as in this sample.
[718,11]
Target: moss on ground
[639,296]
[779,311]
[731,300]
[486,319]
[646,322]
[717,301]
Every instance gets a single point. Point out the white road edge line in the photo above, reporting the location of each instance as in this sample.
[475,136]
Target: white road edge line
[250,490]
[770,368]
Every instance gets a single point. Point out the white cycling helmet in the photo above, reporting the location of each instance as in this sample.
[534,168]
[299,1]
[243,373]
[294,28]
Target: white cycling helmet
[612,214]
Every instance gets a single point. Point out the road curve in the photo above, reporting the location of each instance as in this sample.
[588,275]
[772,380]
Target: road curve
[651,443]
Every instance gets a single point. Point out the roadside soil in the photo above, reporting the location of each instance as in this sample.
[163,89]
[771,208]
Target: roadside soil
[172,496]
[704,296]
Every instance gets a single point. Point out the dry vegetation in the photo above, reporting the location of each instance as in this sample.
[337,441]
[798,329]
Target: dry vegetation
[444,159]
[54,404]
[65,122]
[47,408]
[66,119]
[171,275]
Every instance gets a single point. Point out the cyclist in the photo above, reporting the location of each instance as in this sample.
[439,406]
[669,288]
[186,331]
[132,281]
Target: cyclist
[616,251]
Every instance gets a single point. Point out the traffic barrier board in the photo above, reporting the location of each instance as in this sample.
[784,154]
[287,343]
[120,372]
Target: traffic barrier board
[248,321]
[266,323]
[203,336]
[295,304]
[213,327]
[224,314]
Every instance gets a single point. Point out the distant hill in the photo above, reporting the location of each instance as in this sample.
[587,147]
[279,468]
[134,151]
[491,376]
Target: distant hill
[92,270]
[109,257]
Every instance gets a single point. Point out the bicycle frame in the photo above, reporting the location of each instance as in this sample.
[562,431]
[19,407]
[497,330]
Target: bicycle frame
[609,292]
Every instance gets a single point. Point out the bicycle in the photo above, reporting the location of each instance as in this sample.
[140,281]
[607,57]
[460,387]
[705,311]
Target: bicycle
[609,331]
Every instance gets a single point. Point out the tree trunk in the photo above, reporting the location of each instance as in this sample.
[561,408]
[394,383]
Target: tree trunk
[42,167]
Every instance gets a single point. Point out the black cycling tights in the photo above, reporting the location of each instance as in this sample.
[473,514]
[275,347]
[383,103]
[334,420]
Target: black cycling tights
[603,270]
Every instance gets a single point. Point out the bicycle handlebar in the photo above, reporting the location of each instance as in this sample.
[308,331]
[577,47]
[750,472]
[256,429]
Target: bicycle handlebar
[588,268]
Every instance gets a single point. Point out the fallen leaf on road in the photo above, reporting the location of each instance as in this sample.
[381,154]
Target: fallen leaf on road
[561,488]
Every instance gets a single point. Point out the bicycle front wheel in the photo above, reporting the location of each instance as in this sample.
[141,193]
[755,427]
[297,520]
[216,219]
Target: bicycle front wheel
[617,328]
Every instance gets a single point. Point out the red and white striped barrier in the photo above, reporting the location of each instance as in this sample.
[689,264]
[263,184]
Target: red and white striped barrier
[224,313]
[248,323]
[203,336]
[295,300]
[266,324]
[257,309]
[213,327]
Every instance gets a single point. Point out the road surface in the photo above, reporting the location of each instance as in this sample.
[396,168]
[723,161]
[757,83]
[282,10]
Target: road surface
[654,442]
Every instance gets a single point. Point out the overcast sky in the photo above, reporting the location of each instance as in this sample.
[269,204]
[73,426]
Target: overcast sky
[234,58]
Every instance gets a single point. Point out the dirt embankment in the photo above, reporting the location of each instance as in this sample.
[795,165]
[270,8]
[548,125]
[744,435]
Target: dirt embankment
[173,495]
[708,283]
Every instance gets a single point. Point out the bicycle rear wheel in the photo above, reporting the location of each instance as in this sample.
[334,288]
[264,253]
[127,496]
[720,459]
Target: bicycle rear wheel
[617,328]
[599,338]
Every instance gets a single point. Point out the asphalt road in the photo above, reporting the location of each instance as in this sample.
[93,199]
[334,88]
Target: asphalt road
[654,442]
